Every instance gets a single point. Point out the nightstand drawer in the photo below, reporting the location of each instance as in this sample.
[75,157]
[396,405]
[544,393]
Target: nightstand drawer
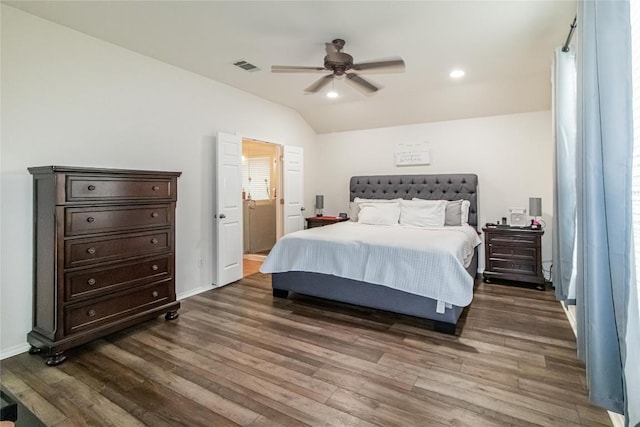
[512,238]
[513,266]
[512,252]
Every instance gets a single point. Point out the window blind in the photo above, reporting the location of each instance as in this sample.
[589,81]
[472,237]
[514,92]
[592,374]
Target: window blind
[256,177]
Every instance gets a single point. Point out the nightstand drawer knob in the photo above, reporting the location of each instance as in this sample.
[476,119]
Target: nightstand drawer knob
[154,267]
[91,187]
[155,188]
[91,313]
[91,251]
[154,241]
[154,215]
[154,294]
[91,219]
[91,282]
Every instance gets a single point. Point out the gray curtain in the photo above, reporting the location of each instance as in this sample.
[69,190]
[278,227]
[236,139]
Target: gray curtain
[564,191]
[605,246]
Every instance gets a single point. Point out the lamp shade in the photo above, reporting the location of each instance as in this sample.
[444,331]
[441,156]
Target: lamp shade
[535,206]
[319,201]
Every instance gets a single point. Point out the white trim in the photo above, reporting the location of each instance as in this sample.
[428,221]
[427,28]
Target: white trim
[616,419]
[12,351]
[193,292]
[254,257]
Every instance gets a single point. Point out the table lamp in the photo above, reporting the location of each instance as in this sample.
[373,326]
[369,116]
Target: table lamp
[319,204]
[535,210]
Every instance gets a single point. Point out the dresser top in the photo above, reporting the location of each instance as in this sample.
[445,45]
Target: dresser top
[74,169]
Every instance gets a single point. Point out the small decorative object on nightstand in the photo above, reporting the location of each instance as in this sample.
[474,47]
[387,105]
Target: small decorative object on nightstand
[513,254]
[321,221]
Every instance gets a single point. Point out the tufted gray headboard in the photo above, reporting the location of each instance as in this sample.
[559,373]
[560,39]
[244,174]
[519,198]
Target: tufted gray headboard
[431,187]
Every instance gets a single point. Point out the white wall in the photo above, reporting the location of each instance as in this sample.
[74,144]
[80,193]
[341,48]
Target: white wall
[512,156]
[72,100]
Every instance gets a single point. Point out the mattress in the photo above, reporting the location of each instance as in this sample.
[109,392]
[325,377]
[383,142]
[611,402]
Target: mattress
[425,261]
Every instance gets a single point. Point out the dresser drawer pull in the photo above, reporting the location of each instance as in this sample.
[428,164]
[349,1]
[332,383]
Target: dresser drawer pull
[91,187]
[154,215]
[91,313]
[91,219]
[155,188]
[154,241]
[91,251]
[154,294]
[91,282]
[154,267]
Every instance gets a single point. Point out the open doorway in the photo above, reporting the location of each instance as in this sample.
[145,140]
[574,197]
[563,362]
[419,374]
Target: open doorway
[260,195]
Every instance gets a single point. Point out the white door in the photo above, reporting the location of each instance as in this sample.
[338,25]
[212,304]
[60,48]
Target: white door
[228,209]
[293,190]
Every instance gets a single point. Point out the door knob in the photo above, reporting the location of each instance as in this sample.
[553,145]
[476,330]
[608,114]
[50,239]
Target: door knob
[222,216]
[302,209]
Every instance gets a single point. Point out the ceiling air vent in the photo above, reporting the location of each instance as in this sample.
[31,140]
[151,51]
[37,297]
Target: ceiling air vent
[245,65]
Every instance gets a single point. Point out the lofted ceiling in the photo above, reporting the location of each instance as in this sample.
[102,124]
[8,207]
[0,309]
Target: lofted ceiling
[505,47]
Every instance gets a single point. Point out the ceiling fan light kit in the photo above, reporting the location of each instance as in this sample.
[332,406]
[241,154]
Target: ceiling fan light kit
[340,63]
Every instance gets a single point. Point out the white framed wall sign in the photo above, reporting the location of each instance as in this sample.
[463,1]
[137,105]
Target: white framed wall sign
[412,155]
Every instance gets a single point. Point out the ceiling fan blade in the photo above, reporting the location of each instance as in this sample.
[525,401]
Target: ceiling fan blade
[390,66]
[361,83]
[319,84]
[295,69]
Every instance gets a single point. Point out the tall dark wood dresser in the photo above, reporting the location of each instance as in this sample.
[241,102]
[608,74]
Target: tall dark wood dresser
[104,253]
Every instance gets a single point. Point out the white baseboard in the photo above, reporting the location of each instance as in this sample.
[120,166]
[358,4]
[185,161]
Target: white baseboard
[21,348]
[254,257]
[12,351]
[616,419]
[193,292]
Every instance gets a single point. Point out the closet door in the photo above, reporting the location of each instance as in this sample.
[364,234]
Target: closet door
[294,210]
[228,209]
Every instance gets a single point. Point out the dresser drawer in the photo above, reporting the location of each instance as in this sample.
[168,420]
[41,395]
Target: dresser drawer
[86,251]
[100,281]
[83,188]
[512,252]
[96,313]
[513,266]
[80,221]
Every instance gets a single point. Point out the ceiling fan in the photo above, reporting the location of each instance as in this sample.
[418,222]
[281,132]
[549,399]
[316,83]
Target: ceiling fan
[340,63]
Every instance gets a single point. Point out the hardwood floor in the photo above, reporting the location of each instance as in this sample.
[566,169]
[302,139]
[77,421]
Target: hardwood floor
[238,356]
[250,267]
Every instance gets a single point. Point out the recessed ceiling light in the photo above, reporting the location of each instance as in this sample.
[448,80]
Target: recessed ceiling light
[332,94]
[456,74]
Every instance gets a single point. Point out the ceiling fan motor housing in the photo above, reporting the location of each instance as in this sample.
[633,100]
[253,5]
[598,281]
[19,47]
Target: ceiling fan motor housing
[339,63]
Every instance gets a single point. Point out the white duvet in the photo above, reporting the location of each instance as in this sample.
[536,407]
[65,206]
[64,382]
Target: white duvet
[424,261]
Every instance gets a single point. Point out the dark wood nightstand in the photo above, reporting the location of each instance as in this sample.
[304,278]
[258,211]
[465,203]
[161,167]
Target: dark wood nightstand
[513,254]
[321,221]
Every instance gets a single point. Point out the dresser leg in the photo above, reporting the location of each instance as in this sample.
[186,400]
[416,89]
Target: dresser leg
[34,350]
[171,315]
[56,358]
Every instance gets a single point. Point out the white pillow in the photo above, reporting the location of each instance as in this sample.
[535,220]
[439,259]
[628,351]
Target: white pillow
[379,213]
[456,212]
[354,207]
[465,211]
[422,213]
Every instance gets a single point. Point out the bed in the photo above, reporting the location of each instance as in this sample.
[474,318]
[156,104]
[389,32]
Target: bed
[441,300]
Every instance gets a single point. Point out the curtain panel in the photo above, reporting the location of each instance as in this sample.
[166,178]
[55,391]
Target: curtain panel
[605,269]
[564,191]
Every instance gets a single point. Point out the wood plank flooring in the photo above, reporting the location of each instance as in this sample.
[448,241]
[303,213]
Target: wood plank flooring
[238,356]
